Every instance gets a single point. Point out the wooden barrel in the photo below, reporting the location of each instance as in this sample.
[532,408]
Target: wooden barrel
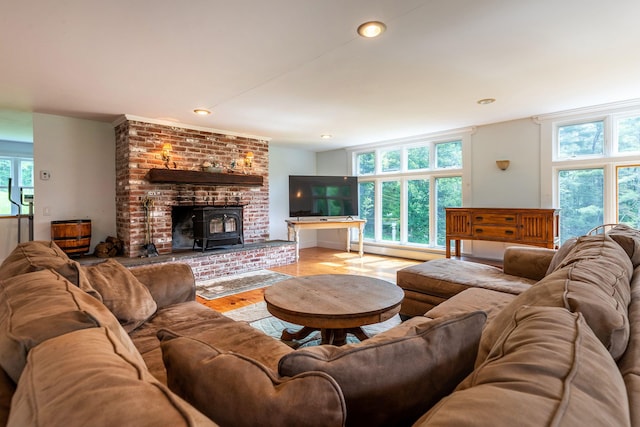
[73,237]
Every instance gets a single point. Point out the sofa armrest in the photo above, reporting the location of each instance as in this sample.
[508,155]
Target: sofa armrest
[529,262]
[168,283]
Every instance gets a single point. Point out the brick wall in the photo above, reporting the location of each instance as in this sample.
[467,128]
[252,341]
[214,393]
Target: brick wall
[138,149]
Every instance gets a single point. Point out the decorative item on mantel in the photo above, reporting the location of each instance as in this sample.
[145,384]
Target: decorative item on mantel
[207,166]
[166,155]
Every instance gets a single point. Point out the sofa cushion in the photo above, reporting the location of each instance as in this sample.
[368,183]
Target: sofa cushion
[393,382]
[447,277]
[88,378]
[547,369]
[473,299]
[38,255]
[594,280]
[128,299]
[629,364]
[41,305]
[629,239]
[197,321]
[233,389]
[561,254]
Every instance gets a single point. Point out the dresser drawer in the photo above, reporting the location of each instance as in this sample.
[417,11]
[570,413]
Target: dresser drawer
[494,232]
[492,218]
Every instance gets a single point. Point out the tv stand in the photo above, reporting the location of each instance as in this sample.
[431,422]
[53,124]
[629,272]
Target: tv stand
[294,227]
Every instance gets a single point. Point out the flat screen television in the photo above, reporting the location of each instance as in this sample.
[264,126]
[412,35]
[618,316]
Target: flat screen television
[323,196]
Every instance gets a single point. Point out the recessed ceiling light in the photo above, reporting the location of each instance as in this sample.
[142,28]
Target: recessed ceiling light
[202,111]
[371,29]
[486,101]
[326,136]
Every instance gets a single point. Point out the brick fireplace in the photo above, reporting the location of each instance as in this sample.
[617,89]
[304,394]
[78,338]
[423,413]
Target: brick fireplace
[139,162]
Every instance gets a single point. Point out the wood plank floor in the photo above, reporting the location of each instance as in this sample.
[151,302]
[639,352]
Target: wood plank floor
[320,261]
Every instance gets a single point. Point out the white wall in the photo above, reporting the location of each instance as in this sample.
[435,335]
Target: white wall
[282,163]
[518,186]
[80,156]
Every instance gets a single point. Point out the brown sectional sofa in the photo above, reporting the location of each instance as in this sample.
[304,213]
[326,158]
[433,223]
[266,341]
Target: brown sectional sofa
[564,350]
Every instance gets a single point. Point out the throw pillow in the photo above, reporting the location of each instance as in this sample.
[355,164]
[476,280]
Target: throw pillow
[629,239]
[41,305]
[88,378]
[394,382]
[234,390]
[547,369]
[128,299]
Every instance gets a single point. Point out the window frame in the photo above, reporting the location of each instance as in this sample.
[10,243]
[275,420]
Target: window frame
[17,152]
[609,161]
[431,173]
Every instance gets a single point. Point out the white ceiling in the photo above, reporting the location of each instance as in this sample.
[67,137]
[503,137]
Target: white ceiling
[291,70]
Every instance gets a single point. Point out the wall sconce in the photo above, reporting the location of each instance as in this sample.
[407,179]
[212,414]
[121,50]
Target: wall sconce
[503,164]
[248,159]
[166,154]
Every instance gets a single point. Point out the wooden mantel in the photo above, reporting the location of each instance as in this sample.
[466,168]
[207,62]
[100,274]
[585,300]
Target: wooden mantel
[178,176]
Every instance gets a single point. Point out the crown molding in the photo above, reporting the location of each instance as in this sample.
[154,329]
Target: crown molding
[595,109]
[129,117]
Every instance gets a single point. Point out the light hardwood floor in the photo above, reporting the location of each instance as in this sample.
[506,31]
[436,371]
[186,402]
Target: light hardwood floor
[320,261]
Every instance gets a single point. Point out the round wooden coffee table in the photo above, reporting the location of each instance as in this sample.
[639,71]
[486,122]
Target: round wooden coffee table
[334,304]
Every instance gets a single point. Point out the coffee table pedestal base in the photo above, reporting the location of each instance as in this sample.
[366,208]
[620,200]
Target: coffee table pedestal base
[336,337]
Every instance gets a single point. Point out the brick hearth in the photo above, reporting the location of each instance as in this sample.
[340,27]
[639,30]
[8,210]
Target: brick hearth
[138,150]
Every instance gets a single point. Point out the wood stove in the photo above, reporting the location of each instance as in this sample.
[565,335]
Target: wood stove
[217,226]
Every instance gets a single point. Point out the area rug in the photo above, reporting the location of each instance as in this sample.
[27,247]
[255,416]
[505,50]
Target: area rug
[259,317]
[229,285]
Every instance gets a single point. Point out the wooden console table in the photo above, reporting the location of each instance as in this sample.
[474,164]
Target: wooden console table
[537,227]
[294,227]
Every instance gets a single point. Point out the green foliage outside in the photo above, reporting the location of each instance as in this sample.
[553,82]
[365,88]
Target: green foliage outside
[391,222]
[391,161]
[629,196]
[583,139]
[418,158]
[367,200]
[367,163]
[418,211]
[448,195]
[449,154]
[581,201]
[629,134]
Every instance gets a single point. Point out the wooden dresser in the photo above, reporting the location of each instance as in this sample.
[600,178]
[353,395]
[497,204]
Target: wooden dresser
[537,227]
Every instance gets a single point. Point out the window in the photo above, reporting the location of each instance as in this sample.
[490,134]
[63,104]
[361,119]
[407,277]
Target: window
[404,190]
[581,195]
[20,171]
[628,200]
[596,170]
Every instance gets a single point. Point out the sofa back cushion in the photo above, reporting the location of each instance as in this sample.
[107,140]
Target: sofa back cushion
[38,306]
[394,381]
[592,279]
[546,369]
[561,254]
[122,293]
[235,390]
[33,256]
[39,255]
[88,378]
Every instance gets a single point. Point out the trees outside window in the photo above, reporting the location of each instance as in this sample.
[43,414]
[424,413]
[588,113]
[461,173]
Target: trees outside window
[597,172]
[404,190]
